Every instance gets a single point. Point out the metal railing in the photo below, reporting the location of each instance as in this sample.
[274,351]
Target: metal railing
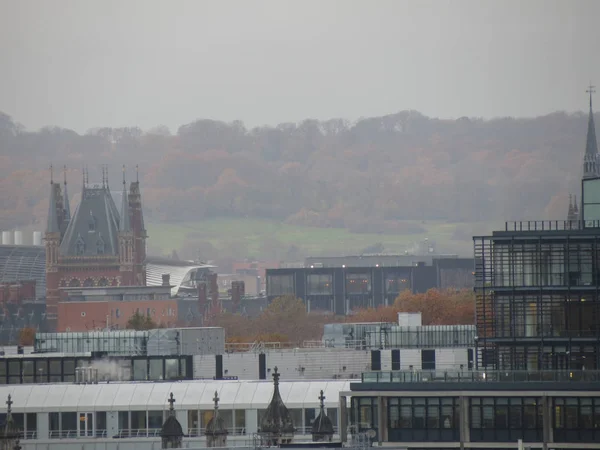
[499,376]
[72,434]
[550,225]
[126,433]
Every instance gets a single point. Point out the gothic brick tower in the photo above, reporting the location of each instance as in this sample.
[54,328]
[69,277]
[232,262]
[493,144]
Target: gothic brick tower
[96,246]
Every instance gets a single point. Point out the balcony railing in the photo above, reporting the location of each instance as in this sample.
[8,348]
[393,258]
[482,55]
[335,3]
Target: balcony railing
[550,225]
[499,376]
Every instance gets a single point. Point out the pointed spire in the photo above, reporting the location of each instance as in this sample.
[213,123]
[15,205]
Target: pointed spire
[52,225]
[575,207]
[124,224]
[590,163]
[216,400]
[106,176]
[67,207]
[171,402]
[137,174]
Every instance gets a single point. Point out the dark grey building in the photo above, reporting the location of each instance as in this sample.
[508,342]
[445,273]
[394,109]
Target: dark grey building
[343,288]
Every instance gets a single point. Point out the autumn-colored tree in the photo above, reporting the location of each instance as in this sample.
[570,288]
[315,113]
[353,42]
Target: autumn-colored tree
[140,321]
[437,307]
[27,336]
[284,320]
[440,307]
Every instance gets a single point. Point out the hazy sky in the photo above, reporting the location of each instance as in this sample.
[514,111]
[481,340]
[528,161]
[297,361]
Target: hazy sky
[83,64]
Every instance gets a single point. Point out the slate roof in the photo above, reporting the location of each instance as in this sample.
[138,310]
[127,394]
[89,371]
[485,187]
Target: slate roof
[94,226]
[24,262]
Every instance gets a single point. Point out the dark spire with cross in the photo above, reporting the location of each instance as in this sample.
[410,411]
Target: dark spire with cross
[591,90]
[276,376]
[591,165]
[66,205]
[9,404]
[322,400]
[171,402]
[216,400]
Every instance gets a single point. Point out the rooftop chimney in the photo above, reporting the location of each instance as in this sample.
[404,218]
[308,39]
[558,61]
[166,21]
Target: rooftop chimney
[166,279]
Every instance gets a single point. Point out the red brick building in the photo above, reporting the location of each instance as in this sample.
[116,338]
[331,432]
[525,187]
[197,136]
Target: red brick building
[97,308]
[98,245]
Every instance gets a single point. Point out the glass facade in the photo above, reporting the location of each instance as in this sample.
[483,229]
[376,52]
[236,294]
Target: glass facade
[319,284]
[429,419]
[278,285]
[506,419]
[127,342]
[576,419]
[60,370]
[537,302]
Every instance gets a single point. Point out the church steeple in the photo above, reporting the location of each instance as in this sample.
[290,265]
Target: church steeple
[52,225]
[67,207]
[590,160]
[124,224]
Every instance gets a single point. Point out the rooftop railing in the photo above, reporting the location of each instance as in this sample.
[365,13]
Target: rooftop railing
[499,376]
[550,225]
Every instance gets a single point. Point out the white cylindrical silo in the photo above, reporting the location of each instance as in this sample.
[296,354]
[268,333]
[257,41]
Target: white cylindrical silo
[18,237]
[37,238]
[6,238]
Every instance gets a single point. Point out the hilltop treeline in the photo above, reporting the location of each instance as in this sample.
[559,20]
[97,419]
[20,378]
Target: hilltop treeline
[367,176]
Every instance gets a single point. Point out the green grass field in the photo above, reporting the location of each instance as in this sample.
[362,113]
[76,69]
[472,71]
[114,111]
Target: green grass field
[221,233]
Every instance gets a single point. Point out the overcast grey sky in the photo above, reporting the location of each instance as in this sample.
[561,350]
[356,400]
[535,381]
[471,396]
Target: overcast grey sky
[82,64]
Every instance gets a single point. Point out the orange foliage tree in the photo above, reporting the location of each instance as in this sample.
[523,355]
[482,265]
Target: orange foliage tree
[438,307]
[284,320]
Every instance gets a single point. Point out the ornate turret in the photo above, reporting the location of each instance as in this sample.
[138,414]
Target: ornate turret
[216,432]
[126,240]
[139,230]
[52,240]
[591,167]
[276,426]
[9,432]
[66,206]
[322,428]
[171,432]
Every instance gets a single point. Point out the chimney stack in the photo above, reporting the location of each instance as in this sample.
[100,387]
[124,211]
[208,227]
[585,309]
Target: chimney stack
[166,279]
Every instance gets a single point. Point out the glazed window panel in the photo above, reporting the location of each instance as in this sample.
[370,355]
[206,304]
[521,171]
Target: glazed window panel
[358,283]
[396,283]
[240,421]
[319,284]
[155,420]
[278,285]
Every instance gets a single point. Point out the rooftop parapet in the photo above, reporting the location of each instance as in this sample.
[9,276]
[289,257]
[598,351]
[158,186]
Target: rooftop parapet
[500,376]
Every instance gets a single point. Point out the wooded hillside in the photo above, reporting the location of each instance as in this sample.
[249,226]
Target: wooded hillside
[367,177]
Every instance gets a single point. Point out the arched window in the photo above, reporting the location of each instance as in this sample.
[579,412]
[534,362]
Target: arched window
[103,282]
[74,283]
[88,282]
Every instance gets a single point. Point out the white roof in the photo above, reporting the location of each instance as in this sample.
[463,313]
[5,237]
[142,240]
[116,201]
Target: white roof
[197,394]
[178,273]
